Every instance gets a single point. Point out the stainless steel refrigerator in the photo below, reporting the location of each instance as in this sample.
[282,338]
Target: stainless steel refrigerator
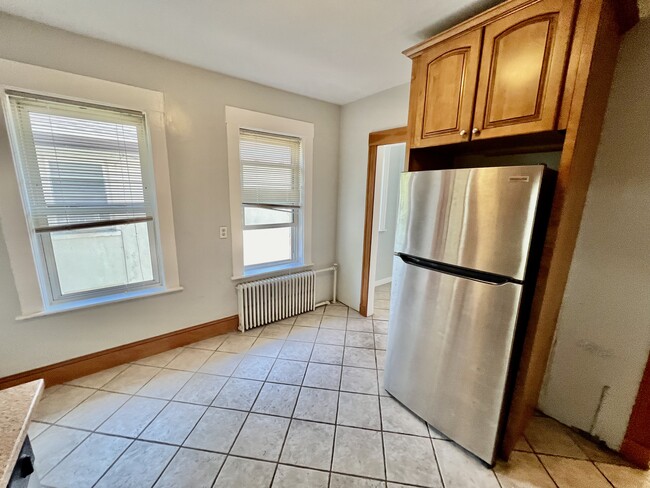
[462,278]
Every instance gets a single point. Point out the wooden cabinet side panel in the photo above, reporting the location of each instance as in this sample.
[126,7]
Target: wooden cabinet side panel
[416,94]
[573,63]
[595,72]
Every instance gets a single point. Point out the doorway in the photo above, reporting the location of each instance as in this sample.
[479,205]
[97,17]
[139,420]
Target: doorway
[386,160]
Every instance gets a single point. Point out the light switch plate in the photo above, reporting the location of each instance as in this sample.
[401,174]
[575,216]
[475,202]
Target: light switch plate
[223,232]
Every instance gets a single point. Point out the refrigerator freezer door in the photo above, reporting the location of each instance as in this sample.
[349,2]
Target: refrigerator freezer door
[480,218]
[449,347]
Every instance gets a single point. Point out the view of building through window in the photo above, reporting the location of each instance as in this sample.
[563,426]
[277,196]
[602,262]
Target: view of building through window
[102,258]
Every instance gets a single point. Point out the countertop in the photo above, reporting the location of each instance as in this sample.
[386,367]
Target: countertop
[17,405]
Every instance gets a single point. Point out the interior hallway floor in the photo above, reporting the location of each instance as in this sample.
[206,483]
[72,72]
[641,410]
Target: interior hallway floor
[298,403]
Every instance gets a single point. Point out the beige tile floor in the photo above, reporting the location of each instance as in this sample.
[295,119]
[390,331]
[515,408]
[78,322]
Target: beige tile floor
[298,403]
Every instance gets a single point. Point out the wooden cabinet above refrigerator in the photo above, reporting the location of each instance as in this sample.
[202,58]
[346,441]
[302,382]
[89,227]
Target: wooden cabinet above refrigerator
[499,74]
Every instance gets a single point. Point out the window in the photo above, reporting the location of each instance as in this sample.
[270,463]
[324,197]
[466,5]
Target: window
[270,182]
[87,176]
[87,184]
[271,193]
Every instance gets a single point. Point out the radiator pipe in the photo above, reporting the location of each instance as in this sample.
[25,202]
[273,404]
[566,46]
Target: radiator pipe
[333,268]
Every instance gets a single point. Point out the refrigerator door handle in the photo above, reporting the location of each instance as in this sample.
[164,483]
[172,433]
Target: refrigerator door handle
[470,274]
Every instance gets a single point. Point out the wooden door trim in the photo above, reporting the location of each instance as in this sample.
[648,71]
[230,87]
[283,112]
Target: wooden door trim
[63,371]
[635,447]
[379,138]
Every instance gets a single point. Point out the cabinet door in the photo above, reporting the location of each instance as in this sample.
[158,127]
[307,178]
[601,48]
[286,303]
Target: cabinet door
[443,91]
[523,65]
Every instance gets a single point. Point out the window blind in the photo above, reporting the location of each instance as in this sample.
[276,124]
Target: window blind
[271,169]
[81,164]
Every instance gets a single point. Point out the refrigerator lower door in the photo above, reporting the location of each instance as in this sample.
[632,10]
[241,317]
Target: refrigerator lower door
[449,346]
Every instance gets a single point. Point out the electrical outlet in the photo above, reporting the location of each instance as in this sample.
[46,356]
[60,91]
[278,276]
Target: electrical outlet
[223,232]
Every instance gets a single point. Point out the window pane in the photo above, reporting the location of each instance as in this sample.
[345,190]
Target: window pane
[267,245]
[81,164]
[101,258]
[265,216]
[271,168]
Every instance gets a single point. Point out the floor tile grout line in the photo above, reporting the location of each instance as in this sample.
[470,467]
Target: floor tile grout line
[76,404]
[113,463]
[381,425]
[336,416]
[214,481]
[281,417]
[177,401]
[568,457]
[94,431]
[320,470]
[159,372]
[293,411]
[178,449]
[43,475]
[539,460]
[435,457]
[165,365]
[244,423]
[496,478]
[153,419]
[602,473]
[169,401]
[250,410]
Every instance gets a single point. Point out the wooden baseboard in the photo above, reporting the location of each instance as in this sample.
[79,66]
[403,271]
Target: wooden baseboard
[636,453]
[98,361]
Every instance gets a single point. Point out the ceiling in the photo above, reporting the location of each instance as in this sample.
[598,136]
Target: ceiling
[332,50]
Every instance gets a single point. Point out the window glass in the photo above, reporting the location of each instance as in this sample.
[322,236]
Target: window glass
[265,216]
[267,246]
[106,257]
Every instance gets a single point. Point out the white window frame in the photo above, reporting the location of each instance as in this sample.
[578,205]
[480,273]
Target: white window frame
[236,119]
[22,246]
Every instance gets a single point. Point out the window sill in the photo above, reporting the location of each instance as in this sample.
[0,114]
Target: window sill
[96,302]
[273,271]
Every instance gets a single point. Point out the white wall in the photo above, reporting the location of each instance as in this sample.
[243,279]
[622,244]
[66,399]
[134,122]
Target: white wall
[196,142]
[603,334]
[384,110]
[386,239]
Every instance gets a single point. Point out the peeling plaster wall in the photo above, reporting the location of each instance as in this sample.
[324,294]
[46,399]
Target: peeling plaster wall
[603,333]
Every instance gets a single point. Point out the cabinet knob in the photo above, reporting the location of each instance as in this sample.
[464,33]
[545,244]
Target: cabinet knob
[476,131]
[463,133]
